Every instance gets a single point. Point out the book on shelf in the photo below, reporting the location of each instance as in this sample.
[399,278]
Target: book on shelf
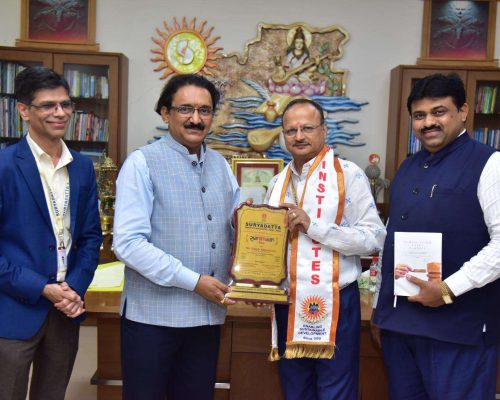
[8,72]
[11,123]
[86,85]
[488,136]
[486,99]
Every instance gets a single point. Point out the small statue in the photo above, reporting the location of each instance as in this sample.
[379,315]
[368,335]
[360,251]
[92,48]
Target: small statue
[372,171]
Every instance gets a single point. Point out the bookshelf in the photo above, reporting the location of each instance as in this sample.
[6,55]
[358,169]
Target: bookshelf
[483,121]
[98,85]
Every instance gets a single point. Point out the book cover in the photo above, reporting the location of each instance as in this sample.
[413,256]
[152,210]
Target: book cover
[418,254]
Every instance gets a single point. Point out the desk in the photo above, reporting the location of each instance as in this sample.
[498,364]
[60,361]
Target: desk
[243,371]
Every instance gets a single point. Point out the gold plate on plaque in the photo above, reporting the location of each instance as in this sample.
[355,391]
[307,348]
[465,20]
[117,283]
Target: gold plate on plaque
[259,255]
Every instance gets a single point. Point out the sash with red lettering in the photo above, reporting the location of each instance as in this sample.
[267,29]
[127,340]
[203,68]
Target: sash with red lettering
[313,268]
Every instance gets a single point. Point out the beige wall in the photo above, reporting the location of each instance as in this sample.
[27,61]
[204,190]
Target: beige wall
[383,34]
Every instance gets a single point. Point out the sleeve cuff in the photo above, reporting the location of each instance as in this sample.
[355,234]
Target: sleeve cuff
[315,232]
[187,279]
[458,283]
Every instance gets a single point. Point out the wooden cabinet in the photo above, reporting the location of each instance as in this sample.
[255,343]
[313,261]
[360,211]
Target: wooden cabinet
[483,97]
[243,370]
[98,85]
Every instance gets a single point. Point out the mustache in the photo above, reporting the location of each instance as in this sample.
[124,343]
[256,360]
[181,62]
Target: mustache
[191,125]
[430,128]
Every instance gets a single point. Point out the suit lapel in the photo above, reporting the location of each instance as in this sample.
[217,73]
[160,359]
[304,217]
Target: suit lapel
[27,165]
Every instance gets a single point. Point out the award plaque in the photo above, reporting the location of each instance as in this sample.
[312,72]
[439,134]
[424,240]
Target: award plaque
[258,264]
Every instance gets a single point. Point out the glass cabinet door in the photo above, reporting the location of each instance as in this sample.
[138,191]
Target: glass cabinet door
[93,87]
[11,63]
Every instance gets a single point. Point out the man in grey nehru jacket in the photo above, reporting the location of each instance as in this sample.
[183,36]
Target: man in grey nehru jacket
[172,229]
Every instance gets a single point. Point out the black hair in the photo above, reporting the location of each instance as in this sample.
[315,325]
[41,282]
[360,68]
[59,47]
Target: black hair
[179,81]
[438,86]
[304,101]
[32,79]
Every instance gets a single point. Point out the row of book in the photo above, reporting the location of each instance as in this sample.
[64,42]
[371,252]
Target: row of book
[11,124]
[82,84]
[83,126]
[8,72]
[86,126]
[488,136]
[486,99]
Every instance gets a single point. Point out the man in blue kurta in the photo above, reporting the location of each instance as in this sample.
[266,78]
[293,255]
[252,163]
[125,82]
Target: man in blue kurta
[172,229]
[443,343]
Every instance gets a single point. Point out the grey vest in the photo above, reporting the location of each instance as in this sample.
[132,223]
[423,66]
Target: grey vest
[191,216]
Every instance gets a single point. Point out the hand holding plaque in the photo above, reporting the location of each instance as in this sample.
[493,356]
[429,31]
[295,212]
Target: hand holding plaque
[258,264]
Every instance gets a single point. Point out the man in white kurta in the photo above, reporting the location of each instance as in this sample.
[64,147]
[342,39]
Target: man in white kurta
[333,220]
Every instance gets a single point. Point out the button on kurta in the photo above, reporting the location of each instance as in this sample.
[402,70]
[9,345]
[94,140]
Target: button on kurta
[404,217]
[203,189]
[213,245]
[415,191]
[209,217]
[194,163]
[426,165]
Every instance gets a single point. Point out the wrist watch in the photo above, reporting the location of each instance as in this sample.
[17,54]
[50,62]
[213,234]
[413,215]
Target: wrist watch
[446,293]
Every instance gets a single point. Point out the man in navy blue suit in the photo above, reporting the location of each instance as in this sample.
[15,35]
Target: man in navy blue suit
[49,242]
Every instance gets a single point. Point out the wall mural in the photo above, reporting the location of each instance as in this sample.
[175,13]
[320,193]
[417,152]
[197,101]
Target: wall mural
[281,63]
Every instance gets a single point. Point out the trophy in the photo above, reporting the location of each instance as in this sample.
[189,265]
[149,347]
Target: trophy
[106,190]
[258,265]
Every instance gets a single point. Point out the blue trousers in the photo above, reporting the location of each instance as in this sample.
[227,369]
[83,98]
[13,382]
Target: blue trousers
[160,363]
[325,379]
[421,368]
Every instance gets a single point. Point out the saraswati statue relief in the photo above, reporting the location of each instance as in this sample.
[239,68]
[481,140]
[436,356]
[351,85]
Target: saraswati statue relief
[281,63]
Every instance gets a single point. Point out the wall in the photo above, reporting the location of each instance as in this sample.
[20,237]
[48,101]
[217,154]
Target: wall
[383,34]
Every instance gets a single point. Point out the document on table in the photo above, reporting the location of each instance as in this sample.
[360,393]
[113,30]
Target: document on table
[108,277]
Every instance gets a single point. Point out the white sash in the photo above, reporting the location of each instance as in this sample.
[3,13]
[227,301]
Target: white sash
[313,267]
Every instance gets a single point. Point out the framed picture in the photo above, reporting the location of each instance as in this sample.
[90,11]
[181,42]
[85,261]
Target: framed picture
[459,33]
[58,24]
[253,176]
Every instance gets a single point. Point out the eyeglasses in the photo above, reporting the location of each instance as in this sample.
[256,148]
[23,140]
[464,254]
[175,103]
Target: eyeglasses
[203,111]
[306,129]
[67,106]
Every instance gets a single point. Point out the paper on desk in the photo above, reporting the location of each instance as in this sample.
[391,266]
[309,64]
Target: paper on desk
[108,277]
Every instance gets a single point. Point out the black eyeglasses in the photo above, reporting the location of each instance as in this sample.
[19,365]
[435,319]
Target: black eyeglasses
[203,111]
[67,106]
[306,129]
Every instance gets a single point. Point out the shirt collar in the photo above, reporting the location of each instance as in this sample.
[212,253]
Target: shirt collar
[183,150]
[460,140]
[305,167]
[39,154]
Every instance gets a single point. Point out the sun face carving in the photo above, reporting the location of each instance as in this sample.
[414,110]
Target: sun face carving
[185,49]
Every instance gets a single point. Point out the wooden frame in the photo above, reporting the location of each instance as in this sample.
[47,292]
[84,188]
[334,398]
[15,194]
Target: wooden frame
[473,45]
[254,174]
[71,26]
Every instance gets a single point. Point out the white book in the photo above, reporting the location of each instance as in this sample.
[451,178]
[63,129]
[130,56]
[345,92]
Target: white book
[418,254]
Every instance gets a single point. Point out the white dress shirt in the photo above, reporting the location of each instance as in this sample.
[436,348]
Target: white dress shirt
[360,233]
[57,178]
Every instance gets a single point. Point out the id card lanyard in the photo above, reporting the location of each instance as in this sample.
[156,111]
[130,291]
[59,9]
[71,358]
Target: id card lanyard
[62,262]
